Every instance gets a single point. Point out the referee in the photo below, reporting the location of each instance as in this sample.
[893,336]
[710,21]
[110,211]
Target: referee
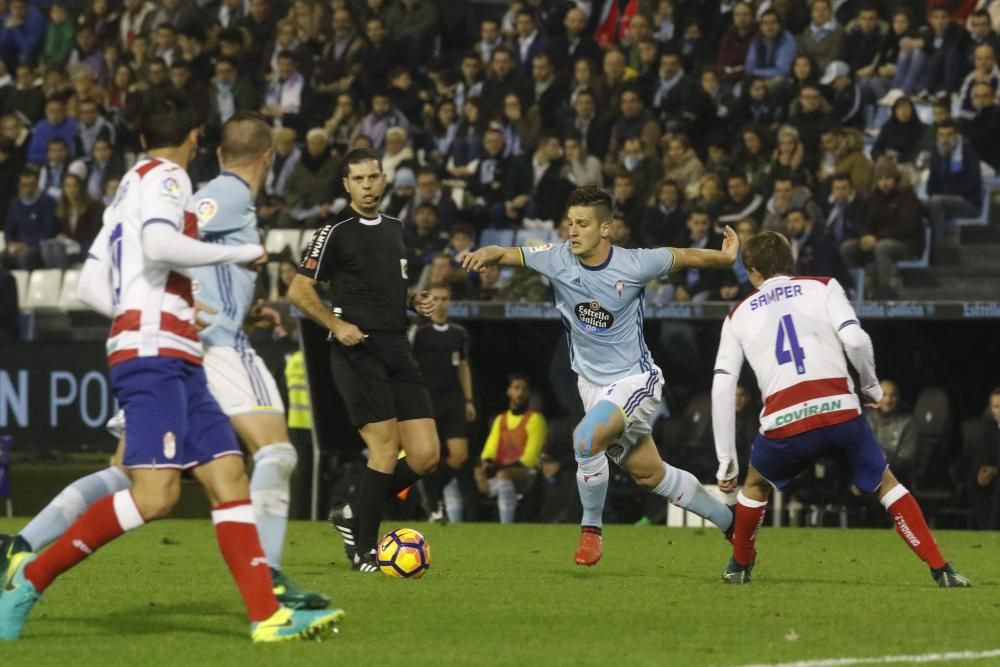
[363,258]
[442,351]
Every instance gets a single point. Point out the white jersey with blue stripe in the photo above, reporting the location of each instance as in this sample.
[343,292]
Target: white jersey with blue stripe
[601,306]
[226,214]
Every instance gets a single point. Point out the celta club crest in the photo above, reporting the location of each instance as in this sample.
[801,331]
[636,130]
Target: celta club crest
[620,288]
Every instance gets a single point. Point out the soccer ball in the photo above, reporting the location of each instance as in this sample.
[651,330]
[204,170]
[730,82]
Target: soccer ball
[404,553]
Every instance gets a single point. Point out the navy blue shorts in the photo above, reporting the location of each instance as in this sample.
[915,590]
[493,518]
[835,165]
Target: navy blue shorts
[171,419]
[780,461]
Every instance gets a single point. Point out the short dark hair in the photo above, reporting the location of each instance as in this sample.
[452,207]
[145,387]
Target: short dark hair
[167,118]
[841,176]
[594,197]
[359,155]
[462,228]
[518,375]
[231,35]
[29,171]
[57,141]
[181,64]
[770,12]
[288,55]
[245,136]
[995,392]
[768,253]
[430,207]
[946,123]
[444,286]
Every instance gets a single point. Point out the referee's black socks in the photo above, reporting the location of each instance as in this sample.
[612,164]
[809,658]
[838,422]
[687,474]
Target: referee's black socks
[403,477]
[371,506]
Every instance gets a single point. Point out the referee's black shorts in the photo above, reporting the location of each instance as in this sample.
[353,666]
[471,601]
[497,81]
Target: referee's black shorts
[449,414]
[379,380]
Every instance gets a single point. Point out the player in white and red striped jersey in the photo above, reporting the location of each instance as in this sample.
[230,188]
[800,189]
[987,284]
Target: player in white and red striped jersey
[794,331]
[172,421]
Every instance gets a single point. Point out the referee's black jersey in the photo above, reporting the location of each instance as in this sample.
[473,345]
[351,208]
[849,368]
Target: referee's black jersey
[439,348]
[364,262]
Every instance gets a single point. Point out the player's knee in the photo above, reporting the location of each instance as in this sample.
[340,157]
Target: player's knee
[591,435]
[158,505]
[282,456]
[457,455]
[425,460]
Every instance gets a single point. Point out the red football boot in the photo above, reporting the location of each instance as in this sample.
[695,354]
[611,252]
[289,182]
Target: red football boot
[589,550]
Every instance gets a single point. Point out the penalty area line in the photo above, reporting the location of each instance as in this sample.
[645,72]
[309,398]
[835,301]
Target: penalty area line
[885,659]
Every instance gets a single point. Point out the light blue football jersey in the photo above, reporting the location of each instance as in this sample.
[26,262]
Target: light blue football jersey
[227,215]
[601,307]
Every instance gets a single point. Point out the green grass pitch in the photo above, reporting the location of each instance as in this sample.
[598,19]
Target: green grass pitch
[511,595]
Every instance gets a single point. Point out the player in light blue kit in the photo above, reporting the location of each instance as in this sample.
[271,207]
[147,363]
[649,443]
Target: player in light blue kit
[237,378]
[599,294]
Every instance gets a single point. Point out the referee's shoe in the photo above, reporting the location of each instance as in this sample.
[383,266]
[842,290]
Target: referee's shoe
[342,521]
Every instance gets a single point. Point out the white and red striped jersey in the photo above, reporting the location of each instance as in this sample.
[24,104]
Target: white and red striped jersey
[153,303]
[793,332]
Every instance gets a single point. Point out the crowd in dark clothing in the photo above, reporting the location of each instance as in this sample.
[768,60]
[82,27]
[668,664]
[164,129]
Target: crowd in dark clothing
[682,108]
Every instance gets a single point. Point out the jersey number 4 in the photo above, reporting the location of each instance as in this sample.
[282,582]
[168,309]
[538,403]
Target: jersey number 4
[787,348]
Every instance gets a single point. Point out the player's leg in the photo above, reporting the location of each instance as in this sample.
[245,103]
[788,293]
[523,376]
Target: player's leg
[751,506]
[457,455]
[212,450]
[677,486]
[49,524]
[382,440]
[225,481]
[871,474]
[504,486]
[600,427]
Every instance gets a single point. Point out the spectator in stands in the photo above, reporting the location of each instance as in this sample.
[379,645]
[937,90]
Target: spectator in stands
[501,81]
[413,24]
[810,116]
[486,183]
[427,239]
[894,230]
[520,129]
[10,313]
[789,158]
[230,94]
[955,184]
[490,40]
[804,73]
[529,42]
[313,183]
[981,30]
[79,219]
[11,166]
[663,223]
[984,492]
[846,212]
[946,45]
[863,42]
[983,127]
[398,200]
[55,169]
[823,40]
[575,44]
[635,121]
[814,254]
[536,186]
[398,153]
[697,285]
[380,118]
[584,168]
[286,157]
[741,202]
[759,105]
[896,430]
[644,170]
[430,191]
[593,128]
[903,136]
[744,230]
[94,170]
[27,98]
[678,99]
[512,450]
[627,201]
[406,96]
[730,64]
[754,159]
[58,37]
[338,64]
[21,34]
[92,126]
[31,218]
[547,94]
[985,70]
[845,95]
[681,163]
[786,195]
[287,98]
[843,153]
[723,102]
[55,124]
[771,52]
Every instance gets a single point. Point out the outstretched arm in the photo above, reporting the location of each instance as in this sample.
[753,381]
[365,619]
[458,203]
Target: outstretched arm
[695,258]
[491,255]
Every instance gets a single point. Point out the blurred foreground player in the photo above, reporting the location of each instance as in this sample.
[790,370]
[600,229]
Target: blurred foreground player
[237,378]
[155,359]
[599,293]
[794,331]
[363,258]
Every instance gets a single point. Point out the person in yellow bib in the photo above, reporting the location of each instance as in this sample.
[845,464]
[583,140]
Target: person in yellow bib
[512,449]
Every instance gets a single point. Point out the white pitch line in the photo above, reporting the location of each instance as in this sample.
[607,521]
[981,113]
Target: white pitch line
[885,659]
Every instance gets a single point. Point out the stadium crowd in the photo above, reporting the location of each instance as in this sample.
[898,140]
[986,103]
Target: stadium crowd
[855,127]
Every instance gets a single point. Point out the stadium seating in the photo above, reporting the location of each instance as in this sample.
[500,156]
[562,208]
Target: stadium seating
[21,278]
[501,237]
[984,212]
[43,289]
[924,260]
[67,295]
[283,242]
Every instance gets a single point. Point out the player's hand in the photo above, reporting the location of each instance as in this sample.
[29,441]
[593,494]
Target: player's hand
[727,475]
[260,262]
[348,334]
[489,468]
[200,308]
[986,475]
[470,411]
[730,243]
[872,396]
[728,485]
[478,261]
[423,303]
